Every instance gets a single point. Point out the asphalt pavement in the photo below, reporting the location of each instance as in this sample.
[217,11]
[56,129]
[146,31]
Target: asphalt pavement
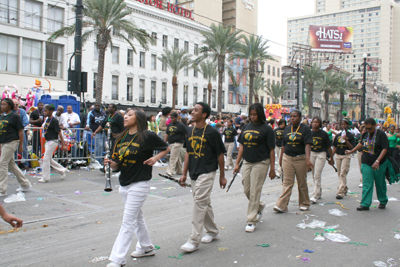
[73,222]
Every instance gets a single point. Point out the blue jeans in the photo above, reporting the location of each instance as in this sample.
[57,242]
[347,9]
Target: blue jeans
[100,140]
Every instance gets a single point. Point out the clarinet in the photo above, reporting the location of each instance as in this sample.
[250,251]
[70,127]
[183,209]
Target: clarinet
[108,169]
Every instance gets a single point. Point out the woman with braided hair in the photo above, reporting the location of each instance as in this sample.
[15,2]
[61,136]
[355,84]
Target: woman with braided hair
[52,133]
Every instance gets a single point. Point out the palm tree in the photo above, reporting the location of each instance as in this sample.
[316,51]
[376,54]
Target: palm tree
[219,41]
[100,19]
[209,70]
[176,59]
[381,108]
[312,75]
[258,84]
[345,85]
[276,91]
[255,50]
[327,86]
[393,97]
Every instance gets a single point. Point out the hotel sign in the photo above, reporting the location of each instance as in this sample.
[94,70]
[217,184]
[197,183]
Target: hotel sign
[331,38]
[175,9]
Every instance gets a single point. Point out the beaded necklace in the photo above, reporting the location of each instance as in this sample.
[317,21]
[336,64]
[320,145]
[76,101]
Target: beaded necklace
[371,143]
[292,136]
[121,155]
[201,143]
[46,125]
[109,119]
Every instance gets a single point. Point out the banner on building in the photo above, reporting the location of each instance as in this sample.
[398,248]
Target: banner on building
[331,38]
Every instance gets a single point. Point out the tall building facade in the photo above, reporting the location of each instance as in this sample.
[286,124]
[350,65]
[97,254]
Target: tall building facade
[376,32]
[272,75]
[129,79]
[242,14]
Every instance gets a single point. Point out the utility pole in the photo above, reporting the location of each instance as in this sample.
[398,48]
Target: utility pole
[78,46]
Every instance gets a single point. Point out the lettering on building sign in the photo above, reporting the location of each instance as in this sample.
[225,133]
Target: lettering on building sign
[248,4]
[175,9]
[330,34]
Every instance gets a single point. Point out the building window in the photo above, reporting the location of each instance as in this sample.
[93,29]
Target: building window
[186,71]
[154,35]
[164,93]
[153,92]
[141,90]
[153,62]
[186,46]
[223,100]
[238,62]
[196,49]
[129,89]
[262,101]
[268,100]
[94,84]
[114,93]
[165,41]
[33,14]
[269,70]
[31,57]
[129,57]
[8,53]
[273,71]
[142,59]
[115,55]
[164,65]
[53,60]
[288,95]
[54,18]
[278,72]
[194,95]
[9,11]
[176,43]
[214,99]
[96,52]
[185,95]
[195,73]
[205,95]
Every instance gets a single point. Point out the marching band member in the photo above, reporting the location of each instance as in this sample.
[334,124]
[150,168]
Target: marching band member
[133,156]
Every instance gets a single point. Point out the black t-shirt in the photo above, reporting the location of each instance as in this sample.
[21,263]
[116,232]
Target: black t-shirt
[176,132]
[342,147]
[53,128]
[295,144]
[381,143]
[115,121]
[230,134]
[134,154]
[96,119]
[257,140]
[10,124]
[203,151]
[83,118]
[321,141]
[35,116]
[279,136]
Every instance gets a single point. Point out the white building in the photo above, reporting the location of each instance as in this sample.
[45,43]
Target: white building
[130,79]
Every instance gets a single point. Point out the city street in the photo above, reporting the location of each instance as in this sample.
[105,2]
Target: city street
[71,222]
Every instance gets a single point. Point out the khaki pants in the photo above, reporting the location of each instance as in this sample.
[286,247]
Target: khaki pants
[202,214]
[294,166]
[343,166]
[254,174]
[48,160]
[318,159]
[175,162]
[229,148]
[7,163]
[359,156]
[278,155]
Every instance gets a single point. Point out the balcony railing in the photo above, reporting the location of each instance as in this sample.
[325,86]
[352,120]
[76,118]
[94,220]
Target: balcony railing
[153,100]
[141,98]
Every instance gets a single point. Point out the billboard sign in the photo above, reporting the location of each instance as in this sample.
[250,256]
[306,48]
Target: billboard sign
[331,38]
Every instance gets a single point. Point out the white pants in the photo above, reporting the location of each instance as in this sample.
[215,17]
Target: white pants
[278,171]
[133,196]
[318,159]
[48,160]
[229,148]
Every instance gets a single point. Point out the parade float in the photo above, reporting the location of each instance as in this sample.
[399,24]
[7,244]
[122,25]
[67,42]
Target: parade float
[277,111]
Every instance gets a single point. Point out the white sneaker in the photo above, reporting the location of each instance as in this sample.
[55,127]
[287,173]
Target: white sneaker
[64,173]
[41,180]
[137,254]
[3,194]
[250,228]
[260,214]
[360,185]
[113,264]
[169,174]
[226,168]
[24,189]
[208,238]
[277,209]
[303,208]
[313,200]
[189,247]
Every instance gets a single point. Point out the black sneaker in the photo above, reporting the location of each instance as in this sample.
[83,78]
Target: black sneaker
[102,170]
[382,206]
[362,208]
[339,197]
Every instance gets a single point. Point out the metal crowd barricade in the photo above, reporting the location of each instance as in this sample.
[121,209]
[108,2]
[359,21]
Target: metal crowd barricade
[80,147]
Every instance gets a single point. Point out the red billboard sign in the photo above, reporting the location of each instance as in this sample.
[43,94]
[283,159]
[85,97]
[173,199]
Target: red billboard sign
[175,9]
[331,38]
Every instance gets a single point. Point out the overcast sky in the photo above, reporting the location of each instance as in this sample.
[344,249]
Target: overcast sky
[272,21]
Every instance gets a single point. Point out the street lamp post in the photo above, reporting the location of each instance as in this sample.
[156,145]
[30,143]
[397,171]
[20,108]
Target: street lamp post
[298,83]
[364,64]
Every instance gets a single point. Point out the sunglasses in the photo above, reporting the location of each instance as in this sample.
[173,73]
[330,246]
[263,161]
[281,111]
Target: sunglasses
[368,129]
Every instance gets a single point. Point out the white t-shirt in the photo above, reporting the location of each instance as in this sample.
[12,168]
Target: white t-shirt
[355,131]
[66,118]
